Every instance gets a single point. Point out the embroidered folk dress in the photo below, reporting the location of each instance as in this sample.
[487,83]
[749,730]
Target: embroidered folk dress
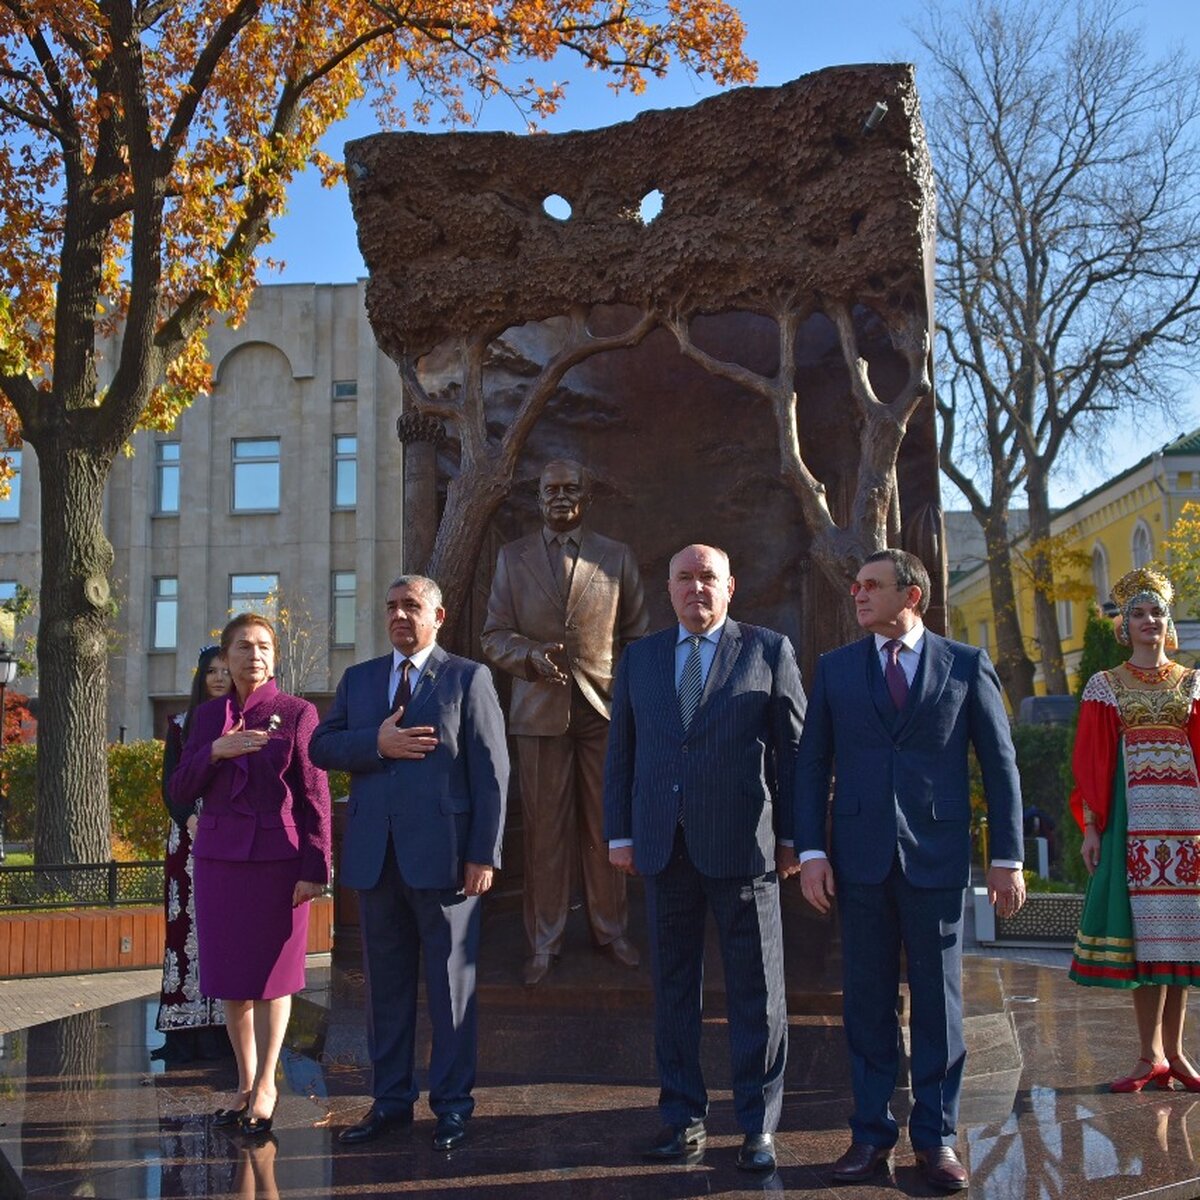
[1135,769]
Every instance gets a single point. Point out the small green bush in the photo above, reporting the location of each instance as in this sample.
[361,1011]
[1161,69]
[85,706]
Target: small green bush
[138,815]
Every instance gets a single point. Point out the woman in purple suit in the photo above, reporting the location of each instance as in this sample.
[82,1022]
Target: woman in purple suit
[261,853]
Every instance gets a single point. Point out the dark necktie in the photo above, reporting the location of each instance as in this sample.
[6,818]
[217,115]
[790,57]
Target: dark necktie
[893,674]
[566,564]
[403,688]
[691,684]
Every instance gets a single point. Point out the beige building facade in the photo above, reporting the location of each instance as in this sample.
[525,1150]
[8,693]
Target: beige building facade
[283,486]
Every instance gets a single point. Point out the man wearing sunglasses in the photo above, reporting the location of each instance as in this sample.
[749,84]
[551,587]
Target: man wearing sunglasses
[892,716]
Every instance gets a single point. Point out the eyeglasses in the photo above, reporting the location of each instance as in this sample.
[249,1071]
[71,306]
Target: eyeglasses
[871,586]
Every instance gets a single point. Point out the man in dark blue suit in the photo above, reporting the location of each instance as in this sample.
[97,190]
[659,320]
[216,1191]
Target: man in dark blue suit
[896,712]
[705,721]
[422,734]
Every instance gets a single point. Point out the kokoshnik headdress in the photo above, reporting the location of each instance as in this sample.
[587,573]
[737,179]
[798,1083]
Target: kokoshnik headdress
[1146,583]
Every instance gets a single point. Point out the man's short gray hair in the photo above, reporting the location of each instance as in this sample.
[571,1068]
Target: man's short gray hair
[423,584]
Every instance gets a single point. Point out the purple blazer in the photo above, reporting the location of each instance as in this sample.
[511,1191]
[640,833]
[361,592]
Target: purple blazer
[269,805]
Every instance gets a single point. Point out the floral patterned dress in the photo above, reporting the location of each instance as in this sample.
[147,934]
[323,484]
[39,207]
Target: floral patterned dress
[1135,759]
[181,1006]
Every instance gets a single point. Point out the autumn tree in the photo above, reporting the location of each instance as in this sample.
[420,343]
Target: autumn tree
[1068,264]
[145,148]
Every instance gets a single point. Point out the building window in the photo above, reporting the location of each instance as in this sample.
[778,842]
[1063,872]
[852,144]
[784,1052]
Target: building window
[345,472]
[164,635]
[8,590]
[345,593]
[166,477]
[10,505]
[345,389]
[1100,574]
[1143,545]
[253,593]
[256,475]
[1066,619]
[983,635]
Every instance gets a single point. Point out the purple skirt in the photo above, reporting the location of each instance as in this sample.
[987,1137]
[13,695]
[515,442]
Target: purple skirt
[252,941]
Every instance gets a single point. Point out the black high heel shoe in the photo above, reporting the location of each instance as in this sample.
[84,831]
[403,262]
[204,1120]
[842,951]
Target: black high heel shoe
[229,1116]
[257,1126]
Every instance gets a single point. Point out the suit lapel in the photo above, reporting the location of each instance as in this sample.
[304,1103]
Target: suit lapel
[665,672]
[381,680]
[928,683]
[729,647]
[426,686]
[537,563]
[586,564]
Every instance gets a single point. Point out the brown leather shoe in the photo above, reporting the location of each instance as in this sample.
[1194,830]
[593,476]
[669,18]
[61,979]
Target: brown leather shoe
[537,968]
[941,1167]
[861,1161]
[623,952]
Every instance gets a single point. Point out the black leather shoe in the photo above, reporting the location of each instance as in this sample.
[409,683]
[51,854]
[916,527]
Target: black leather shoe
[450,1131]
[373,1124]
[942,1169]
[229,1116]
[757,1153]
[861,1161]
[676,1141]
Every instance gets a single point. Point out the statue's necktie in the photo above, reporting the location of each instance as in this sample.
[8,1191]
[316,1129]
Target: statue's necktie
[691,683]
[893,674]
[403,688]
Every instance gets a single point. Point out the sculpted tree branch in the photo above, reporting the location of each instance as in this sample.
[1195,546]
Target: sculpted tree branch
[487,466]
[838,550]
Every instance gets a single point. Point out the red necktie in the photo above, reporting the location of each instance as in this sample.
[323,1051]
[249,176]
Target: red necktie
[893,674]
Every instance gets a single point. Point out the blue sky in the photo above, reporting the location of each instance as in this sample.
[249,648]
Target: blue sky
[787,38]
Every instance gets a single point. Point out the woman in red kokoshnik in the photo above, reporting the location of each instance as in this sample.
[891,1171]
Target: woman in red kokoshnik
[1137,798]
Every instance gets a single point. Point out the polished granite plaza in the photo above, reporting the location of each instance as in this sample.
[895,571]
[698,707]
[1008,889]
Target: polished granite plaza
[566,1097]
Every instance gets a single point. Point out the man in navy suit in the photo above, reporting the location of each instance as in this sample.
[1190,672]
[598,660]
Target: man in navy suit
[705,721]
[896,712]
[422,735]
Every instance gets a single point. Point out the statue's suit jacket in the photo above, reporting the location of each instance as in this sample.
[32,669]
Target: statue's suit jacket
[732,767]
[443,810]
[604,612]
[902,783]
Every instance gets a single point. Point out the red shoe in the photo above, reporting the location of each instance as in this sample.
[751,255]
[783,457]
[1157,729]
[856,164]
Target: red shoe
[1159,1075]
[1191,1083]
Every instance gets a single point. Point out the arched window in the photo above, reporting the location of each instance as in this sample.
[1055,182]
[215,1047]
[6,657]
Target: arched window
[1143,545]
[1100,573]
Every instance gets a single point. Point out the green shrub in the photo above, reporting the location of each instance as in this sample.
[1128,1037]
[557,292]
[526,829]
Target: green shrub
[138,815]
[19,784]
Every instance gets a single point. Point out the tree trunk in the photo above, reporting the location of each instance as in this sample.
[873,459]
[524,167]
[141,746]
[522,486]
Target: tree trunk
[72,762]
[472,500]
[1012,663]
[1054,670]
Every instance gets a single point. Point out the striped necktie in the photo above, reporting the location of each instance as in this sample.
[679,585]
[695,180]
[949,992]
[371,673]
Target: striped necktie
[403,688]
[691,683]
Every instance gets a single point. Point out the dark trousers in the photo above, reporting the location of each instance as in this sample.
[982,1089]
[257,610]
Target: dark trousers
[750,932]
[877,919]
[399,923]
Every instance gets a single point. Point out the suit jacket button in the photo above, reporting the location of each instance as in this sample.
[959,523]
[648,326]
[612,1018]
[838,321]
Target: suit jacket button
[685,749]
[675,788]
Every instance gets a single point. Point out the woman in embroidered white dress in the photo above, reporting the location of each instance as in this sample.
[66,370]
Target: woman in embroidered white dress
[1137,798]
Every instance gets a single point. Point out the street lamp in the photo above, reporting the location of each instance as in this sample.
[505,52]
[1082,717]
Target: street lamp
[8,672]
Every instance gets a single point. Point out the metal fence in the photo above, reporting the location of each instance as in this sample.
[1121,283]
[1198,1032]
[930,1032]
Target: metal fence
[86,885]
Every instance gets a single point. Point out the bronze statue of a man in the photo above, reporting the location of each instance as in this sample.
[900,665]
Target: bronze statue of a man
[564,603]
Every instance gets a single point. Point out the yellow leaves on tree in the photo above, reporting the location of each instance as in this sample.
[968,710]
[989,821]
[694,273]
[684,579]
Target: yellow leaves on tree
[145,148]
